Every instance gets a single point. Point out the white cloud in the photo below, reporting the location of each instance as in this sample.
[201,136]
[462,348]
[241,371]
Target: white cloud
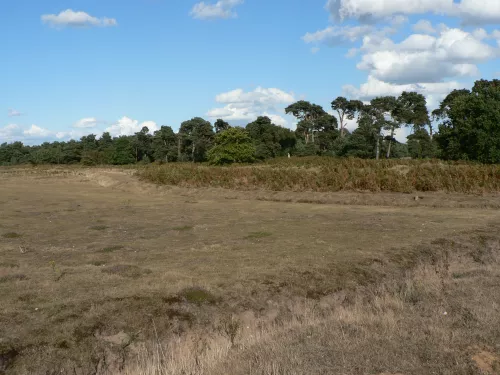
[241,106]
[368,11]
[434,92]
[14,113]
[425,58]
[276,119]
[424,27]
[335,35]
[127,126]
[315,50]
[220,9]
[10,133]
[89,122]
[71,18]
[36,132]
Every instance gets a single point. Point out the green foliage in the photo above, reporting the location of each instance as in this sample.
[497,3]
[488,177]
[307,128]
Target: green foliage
[221,125]
[123,151]
[420,145]
[233,145]
[196,137]
[266,137]
[470,127]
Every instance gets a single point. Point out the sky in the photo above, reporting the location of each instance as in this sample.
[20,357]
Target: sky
[74,67]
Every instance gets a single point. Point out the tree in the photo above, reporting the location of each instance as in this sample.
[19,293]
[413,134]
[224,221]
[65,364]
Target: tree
[307,114]
[346,110]
[164,144]
[124,151]
[376,115]
[364,142]
[220,125]
[326,132]
[420,144]
[233,145]
[265,136]
[195,138]
[470,127]
[142,145]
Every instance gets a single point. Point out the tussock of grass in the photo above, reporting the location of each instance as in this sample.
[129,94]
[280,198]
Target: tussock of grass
[9,265]
[183,228]
[110,249]
[15,277]
[99,227]
[197,295]
[258,235]
[324,174]
[11,235]
[126,270]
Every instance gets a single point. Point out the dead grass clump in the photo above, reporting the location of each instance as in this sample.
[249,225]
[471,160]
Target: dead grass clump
[183,228]
[258,235]
[126,270]
[9,264]
[197,295]
[99,227]
[110,249]
[14,277]
[11,235]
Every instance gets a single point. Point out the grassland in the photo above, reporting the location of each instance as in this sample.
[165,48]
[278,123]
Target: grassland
[107,274]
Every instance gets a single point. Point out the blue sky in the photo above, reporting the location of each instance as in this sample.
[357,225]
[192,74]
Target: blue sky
[72,67]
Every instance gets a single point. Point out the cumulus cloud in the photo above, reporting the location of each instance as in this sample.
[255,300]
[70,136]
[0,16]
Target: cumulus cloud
[369,11]
[71,18]
[426,58]
[36,132]
[14,113]
[89,122]
[424,27]
[222,9]
[10,133]
[127,126]
[241,106]
[335,35]
[374,87]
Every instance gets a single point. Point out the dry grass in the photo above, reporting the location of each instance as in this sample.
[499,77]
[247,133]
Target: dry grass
[97,301]
[421,322]
[331,175]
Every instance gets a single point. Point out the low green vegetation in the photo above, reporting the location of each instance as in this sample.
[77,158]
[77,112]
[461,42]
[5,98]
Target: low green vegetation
[11,235]
[99,227]
[258,235]
[110,249]
[466,126]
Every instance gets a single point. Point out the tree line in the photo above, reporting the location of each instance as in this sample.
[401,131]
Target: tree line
[466,126]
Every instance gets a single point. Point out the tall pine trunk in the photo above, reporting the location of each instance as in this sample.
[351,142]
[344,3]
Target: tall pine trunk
[377,147]
[390,143]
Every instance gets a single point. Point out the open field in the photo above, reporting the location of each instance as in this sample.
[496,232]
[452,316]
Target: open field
[101,273]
